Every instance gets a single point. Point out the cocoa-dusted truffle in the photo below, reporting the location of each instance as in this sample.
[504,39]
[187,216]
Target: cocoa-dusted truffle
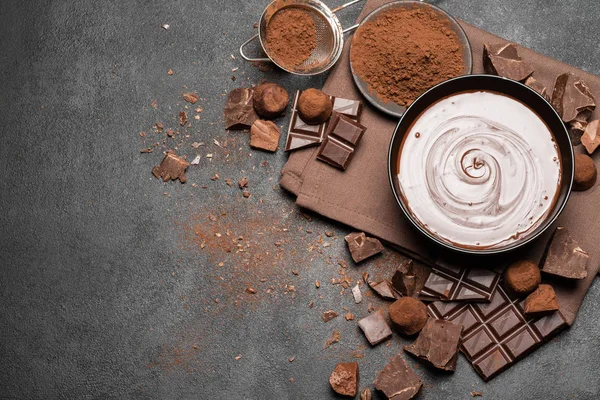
[314,106]
[541,302]
[344,379]
[585,172]
[270,99]
[408,315]
[522,277]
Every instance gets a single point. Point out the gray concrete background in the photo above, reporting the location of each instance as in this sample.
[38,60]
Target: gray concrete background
[105,291]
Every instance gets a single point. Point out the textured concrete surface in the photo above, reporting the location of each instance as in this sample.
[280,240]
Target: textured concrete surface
[105,288]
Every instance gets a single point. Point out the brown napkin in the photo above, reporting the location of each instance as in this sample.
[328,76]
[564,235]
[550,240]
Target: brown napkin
[361,196]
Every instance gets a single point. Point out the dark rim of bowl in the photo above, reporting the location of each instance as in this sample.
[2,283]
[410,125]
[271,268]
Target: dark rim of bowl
[514,245]
[463,38]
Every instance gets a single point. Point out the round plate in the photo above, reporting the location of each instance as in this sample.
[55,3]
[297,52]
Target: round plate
[390,107]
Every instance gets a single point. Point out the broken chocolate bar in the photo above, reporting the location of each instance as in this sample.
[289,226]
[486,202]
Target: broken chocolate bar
[538,87]
[503,60]
[264,135]
[397,381]
[302,135]
[451,283]
[384,289]
[375,328]
[438,344]
[362,247]
[171,167]
[497,334]
[343,135]
[239,109]
[565,258]
[571,96]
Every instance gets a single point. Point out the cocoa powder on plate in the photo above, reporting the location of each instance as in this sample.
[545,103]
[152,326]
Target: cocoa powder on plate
[291,37]
[404,51]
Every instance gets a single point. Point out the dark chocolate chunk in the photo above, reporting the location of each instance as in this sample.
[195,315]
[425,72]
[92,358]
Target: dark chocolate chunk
[409,278]
[239,109]
[541,302]
[497,334]
[264,135]
[585,173]
[503,60]
[397,381]
[375,328]
[344,379]
[362,247]
[171,167]
[571,96]
[565,258]
[451,283]
[438,344]
[591,136]
[343,135]
[384,289]
[302,135]
[329,315]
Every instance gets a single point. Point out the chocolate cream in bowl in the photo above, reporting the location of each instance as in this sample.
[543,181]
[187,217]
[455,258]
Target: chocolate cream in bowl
[479,170]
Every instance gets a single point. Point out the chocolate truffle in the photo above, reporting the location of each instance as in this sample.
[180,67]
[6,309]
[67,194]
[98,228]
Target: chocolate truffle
[541,302]
[585,172]
[270,99]
[408,315]
[522,277]
[264,135]
[314,106]
[344,379]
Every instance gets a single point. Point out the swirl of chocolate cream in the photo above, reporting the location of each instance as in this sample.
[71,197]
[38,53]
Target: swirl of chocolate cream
[476,182]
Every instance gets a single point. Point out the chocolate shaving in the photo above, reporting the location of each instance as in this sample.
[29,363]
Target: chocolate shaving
[190,97]
[329,315]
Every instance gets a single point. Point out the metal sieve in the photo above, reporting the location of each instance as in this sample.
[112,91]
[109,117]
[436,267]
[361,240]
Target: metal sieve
[330,35]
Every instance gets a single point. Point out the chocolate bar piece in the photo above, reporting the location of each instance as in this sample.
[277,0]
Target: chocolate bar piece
[450,283]
[362,247]
[565,258]
[384,289]
[239,109]
[375,328]
[343,135]
[497,334]
[171,167]
[397,381]
[302,135]
[504,60]
[438,344]
[571,96]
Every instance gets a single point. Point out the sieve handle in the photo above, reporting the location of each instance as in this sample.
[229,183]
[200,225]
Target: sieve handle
[340,8]
[245,57]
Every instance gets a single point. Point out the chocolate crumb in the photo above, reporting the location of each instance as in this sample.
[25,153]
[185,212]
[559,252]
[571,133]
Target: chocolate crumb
[334,338]
[476,394]
[190,97]
[246,193]
[182,118]
[172,167]
[366,394]
[329,315]
[243,183]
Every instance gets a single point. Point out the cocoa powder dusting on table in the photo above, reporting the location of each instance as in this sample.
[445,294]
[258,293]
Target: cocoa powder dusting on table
[291,37]
[405,51]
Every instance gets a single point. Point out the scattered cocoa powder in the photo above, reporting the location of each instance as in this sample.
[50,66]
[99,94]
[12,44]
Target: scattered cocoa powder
[404,51]
[291,37]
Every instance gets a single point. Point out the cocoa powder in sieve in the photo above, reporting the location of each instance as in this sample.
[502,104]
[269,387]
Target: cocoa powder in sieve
[405,51]
[291,37]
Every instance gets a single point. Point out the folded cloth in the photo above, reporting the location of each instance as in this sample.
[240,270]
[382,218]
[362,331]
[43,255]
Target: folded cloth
[362,198]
